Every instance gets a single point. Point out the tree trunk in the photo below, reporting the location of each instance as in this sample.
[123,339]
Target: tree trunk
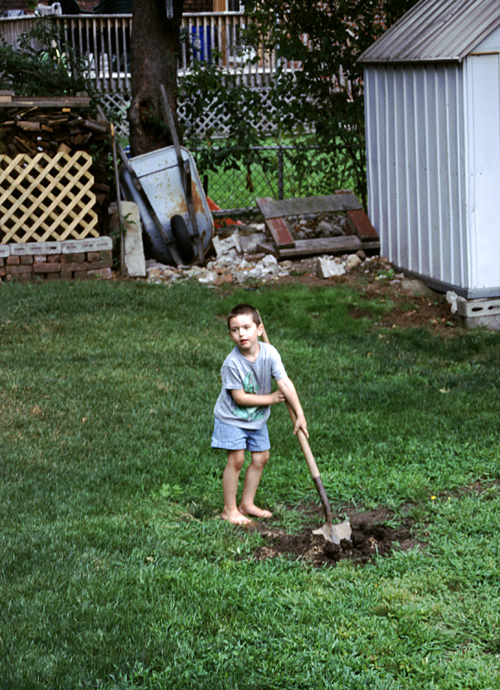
[154,48]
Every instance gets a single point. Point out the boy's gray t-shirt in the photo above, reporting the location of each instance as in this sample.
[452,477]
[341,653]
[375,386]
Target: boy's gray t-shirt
[254,377]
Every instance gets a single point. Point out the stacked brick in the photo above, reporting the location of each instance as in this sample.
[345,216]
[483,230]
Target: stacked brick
[15,5]
[66,260]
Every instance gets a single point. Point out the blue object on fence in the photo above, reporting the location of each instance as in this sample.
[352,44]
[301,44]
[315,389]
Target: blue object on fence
[201,43]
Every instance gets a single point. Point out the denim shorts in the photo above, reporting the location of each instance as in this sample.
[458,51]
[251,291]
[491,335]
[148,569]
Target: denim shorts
[231,437]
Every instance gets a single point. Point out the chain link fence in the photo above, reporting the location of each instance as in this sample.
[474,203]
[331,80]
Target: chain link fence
[234,178]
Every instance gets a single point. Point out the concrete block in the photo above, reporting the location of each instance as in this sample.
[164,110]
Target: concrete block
[135,261]
[95,244]
[479,307]
[35,248]
[480,313]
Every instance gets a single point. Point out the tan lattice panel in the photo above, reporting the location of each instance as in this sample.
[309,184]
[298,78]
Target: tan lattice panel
[45,198]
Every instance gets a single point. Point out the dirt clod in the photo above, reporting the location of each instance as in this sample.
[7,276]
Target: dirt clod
[370,537]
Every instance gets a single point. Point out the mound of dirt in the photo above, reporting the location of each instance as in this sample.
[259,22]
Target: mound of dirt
[370,537]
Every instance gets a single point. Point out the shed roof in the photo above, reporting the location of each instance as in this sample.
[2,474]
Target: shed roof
[436,30]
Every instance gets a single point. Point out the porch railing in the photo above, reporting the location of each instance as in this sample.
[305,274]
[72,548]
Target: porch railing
[211,36]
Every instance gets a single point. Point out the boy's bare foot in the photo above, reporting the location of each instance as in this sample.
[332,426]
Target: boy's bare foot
[235,517]
[255,511]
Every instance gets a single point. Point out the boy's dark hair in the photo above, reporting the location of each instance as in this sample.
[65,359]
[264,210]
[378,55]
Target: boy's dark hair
[241,309]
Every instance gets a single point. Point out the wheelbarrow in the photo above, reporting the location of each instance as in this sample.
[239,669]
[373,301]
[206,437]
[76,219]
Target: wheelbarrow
[176,219]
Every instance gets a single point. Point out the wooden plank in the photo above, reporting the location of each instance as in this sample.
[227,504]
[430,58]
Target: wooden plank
[275,224]
[99,127]
[360,223]
[42,102]
[280,232]
[29,124]
[346,244]
[271,208]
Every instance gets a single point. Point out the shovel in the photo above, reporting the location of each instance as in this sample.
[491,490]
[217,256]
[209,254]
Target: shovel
[333,533]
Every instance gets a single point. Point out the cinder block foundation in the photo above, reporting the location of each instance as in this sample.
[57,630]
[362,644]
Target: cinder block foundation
[480,313]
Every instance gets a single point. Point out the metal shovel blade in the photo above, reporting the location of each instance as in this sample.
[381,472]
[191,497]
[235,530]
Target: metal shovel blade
[335,533]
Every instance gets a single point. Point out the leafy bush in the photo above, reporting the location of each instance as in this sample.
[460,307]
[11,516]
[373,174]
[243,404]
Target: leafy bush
[44,65]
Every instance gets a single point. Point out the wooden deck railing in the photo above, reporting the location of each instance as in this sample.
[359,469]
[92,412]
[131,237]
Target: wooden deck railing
[214,36]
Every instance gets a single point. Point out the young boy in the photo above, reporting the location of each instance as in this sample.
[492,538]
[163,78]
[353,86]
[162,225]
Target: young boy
[243,408]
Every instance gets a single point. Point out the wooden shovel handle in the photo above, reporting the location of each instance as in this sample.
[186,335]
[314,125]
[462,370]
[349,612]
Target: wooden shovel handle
[306,450]
[304,443]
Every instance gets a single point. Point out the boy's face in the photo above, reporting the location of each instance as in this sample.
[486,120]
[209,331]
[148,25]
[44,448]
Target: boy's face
[245,333]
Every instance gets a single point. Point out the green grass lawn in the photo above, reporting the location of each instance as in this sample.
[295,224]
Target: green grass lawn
[115,572]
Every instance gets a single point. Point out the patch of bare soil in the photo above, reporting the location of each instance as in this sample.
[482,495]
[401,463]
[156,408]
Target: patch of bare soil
[410,308]
[371,536]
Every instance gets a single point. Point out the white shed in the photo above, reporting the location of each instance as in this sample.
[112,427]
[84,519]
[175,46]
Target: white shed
[432,99]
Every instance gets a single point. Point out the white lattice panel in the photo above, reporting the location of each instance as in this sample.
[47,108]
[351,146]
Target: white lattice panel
[211,120]
[46,198]
[118,103]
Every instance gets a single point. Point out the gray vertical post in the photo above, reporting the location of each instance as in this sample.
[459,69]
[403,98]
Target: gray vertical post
[280,173]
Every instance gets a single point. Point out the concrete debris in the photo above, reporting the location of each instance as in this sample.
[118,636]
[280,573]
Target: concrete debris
[220,270]
[352,261]
[329,267]
[453,300]
[229,247]
[239,259]
[231,267]
[250,243]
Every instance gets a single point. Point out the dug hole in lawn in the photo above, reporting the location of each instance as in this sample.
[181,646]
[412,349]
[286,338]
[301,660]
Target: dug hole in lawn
[370,537]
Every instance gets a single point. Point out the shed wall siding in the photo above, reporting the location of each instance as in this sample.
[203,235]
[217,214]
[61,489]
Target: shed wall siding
[482,75]
[416,173]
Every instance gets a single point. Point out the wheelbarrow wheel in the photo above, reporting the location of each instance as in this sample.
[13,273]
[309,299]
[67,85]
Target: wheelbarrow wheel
[182,238]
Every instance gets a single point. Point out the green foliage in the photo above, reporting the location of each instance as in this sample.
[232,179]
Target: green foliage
[321,102]
[44,65]
[116,573]
[231,102]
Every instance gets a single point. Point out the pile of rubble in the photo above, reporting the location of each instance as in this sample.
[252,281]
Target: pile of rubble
[309,226]
[239,259]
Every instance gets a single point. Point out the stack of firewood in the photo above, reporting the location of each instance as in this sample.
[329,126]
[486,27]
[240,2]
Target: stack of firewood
[32,126]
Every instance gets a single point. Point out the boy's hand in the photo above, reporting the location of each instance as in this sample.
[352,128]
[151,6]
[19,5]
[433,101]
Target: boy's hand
[277,397]
[301,425]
